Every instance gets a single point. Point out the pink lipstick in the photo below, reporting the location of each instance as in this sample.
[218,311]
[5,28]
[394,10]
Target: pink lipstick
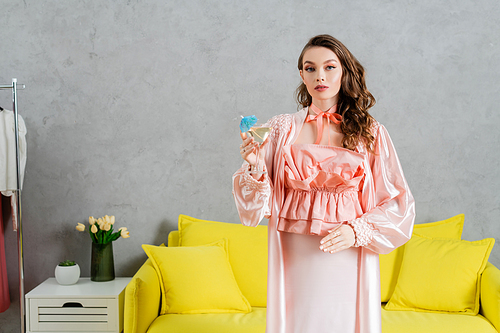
[320,88]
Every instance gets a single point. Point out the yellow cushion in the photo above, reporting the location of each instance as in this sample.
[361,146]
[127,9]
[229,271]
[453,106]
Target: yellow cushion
[196,279]
[247,251]
[420,322]
[390,264]
[173,238]
[441,275]
[252,322]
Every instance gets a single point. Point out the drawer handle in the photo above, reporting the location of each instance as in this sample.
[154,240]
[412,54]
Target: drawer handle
[72,305]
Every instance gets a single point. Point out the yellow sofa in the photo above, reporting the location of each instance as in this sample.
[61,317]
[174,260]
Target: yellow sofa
[247,253]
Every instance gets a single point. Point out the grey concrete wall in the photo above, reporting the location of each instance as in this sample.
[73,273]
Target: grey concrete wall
[132,108]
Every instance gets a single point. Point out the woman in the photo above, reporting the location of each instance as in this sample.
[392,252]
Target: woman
[335,196]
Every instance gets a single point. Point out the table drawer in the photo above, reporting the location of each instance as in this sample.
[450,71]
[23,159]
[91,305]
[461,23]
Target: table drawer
[73,315]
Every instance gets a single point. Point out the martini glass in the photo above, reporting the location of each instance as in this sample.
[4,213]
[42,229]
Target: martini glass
[259,133]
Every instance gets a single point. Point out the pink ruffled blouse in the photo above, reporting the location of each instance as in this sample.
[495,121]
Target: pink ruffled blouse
[322,188]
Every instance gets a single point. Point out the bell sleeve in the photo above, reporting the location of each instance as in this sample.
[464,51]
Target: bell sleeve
[389,204]
[252,197]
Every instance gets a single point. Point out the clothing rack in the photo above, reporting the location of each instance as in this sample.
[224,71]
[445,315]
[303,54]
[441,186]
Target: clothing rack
[15,86]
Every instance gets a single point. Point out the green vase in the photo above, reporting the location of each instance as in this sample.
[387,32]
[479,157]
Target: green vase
[102,267]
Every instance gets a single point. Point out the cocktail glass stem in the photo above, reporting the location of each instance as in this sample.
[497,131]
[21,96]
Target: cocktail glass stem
[257,153]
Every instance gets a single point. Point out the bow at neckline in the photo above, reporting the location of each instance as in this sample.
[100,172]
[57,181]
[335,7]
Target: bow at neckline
[329,114]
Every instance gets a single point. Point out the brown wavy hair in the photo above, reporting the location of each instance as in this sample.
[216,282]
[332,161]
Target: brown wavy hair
[354,97]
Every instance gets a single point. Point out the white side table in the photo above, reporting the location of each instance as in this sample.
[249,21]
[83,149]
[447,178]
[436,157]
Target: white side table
[86,306]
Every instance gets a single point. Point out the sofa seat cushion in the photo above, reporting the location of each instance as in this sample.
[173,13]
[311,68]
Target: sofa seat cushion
[253,322]
[429,322]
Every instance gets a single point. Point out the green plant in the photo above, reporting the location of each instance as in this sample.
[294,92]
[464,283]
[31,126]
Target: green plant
[67,263]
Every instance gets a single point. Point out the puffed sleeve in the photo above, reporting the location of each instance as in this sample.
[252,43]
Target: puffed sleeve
[252,197]
[387,200]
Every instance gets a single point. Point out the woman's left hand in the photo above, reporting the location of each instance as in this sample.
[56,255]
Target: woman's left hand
[338,239]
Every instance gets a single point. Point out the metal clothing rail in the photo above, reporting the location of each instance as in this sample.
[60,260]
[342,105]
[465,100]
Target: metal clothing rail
[15,86]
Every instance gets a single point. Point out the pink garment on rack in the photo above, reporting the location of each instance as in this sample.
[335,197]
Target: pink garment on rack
[4,283]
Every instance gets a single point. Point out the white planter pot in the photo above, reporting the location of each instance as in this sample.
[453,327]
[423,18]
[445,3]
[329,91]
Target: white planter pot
[67,274]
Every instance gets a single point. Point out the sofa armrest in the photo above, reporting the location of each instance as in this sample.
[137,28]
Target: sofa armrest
[490,295]
[142,300]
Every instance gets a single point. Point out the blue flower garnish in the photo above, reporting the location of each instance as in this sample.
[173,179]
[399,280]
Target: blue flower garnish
[247,123]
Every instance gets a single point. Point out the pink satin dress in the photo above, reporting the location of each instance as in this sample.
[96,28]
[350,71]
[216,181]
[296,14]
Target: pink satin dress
[322,185]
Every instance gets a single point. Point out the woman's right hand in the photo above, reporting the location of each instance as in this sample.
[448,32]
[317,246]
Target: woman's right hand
[248,150]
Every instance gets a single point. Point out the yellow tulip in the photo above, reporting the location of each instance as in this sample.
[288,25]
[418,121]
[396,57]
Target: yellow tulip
[112,219]
[80,227]
[124,233]
[91,220]
[93,229]
[122,228]
[106,227]
[100,222]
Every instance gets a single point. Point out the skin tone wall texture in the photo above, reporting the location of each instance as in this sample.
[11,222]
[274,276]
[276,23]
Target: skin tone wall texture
[132,109]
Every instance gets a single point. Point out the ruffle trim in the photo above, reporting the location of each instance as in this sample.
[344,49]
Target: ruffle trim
[322,180]
[363,231]
[322,206]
